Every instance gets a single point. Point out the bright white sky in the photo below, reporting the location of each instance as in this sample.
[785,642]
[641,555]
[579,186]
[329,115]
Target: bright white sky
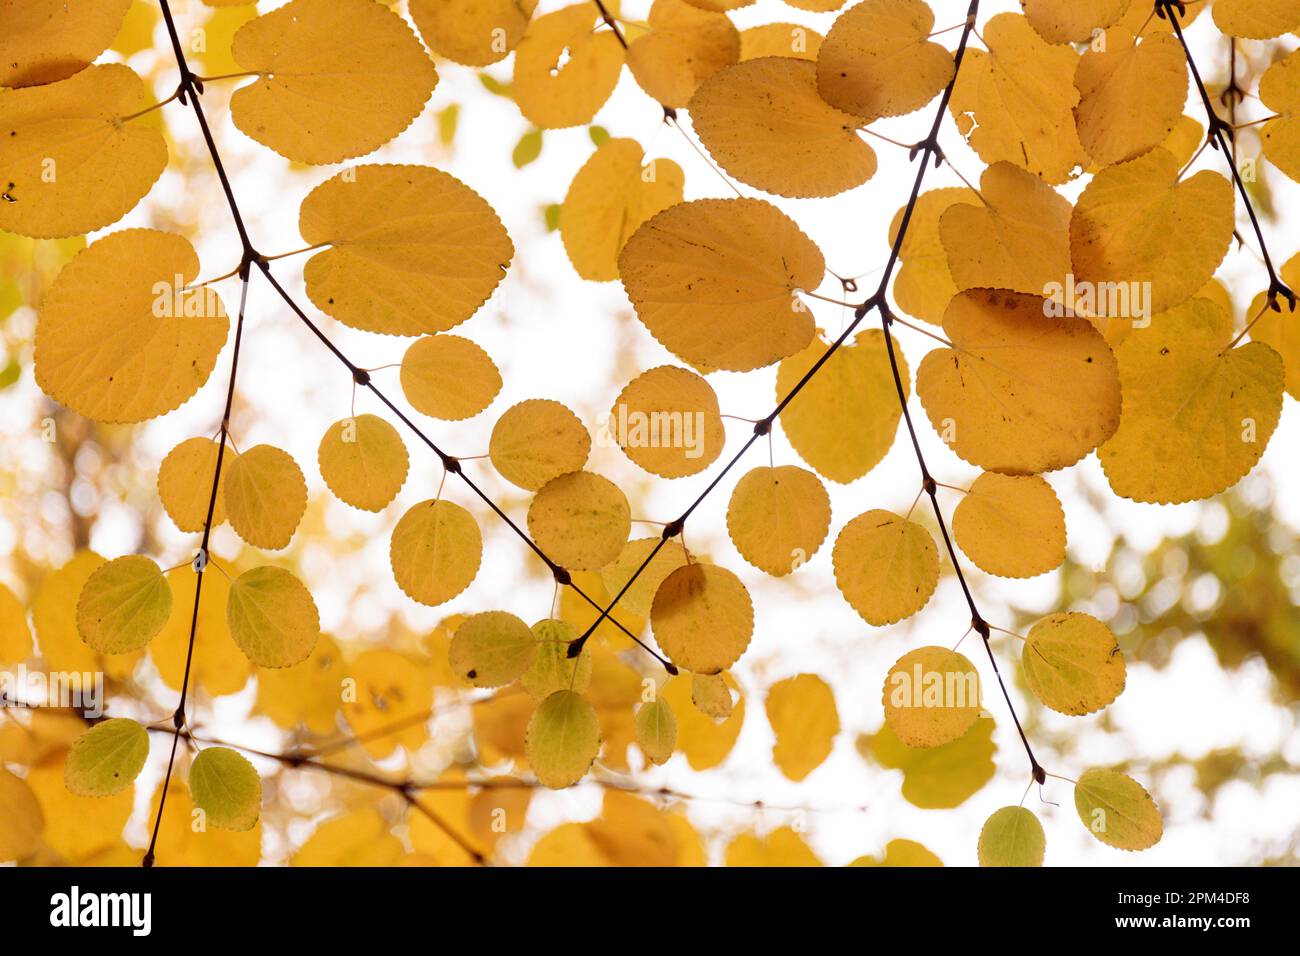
[556,336]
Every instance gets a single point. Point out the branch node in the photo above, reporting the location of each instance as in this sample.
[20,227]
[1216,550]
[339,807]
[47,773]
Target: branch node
[451,464]
[980,626]
[763,426]
[562,577]
[673,528]
[360,376]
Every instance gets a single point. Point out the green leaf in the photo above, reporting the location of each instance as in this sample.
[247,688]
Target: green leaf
[562,739]
[106,759]
[551,216]
[1117,810]
[447,122]
[124,605]
[1012,837]
[225,786]
[599,135]
[495,86]
[527,149]
[656,730]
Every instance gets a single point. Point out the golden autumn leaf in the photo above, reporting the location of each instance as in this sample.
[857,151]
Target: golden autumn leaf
[1197,413]
[931,697]
[565,70]
[667,421]
[363,461]
[802,712]
[702,618]
[1137,226]
[778,517]
[1020,391]
[682,48]
[49,40]
[885,566]
[77,154]
[411,250]
[1072,663]
[765,124]
[155,342]
[317,100]
[435,551]
[266,496]
[610,196]
[714,280]
[1015,102]
[878,60]
[538,440]
[1011,525]
[1117,810]
[472,32]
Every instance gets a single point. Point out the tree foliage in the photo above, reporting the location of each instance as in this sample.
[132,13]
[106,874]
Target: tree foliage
[1070,287]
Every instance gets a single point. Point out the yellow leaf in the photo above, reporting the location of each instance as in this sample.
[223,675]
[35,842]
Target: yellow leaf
[564,69]
[923,286]
[54,615]
[640,595]
[780,39]
[435,551]
[151,343]
[1130,95]
[1072,21]
[266,496]
[901,853]
[778,518]
[844,419]
[801,710]
[552,668]
[581,520]
[1117,810]
[702,618]
[1281,330]
[536,441]
[885,566]
[217,665]
[185,483]
[15,635]
[492,648]
[306,694]
[765,124]
[1256,19]
[1015,102]
[878,60]
[226,788]
[359,838]
[937,778]
[1197,415]
[319,100]
[656,730]
[180,844]
[363,461]
[1072,663]
[449,377]
[387,701]
[1137,223]
[21,820]
[931,697]
[704,740]
[667,421]
[562,740]
[685,45]
[781,847]
[816,6]
[412,250]
[77,827]
[74,159]
[711,696]
[272,617]
[1012,836]
[1018,238]
[1011,525]
[472,32]
[1021,391]
[714,281]
[107,758]
[1278,90]
[611,195]
[124,605]
[49,40]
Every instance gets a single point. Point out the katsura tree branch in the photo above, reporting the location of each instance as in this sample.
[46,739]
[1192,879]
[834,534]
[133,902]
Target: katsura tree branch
[1221,135]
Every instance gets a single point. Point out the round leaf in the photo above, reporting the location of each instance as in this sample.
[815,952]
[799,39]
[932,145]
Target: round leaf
[107,758]
[272,617]
[226,788]
[124,605]
[885,566]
